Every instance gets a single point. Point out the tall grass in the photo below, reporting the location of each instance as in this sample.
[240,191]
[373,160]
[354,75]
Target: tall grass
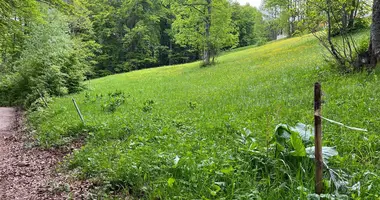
[185,132]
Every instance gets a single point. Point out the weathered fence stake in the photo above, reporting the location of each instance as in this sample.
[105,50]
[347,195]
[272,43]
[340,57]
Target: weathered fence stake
[318,139]
[78,111]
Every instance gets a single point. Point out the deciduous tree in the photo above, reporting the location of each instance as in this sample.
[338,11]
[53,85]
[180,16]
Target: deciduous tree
[204,24]
[249,24]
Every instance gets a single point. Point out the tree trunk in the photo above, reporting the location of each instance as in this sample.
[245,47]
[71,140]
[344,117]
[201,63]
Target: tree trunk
[170,51]
[207,50]
[374,47]
[353,12]
[290,25]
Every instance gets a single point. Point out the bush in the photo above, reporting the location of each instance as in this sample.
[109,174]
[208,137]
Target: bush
[51,63]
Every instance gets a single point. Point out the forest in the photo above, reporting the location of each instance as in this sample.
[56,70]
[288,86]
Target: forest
[80,40]
[197,99]
[49,48]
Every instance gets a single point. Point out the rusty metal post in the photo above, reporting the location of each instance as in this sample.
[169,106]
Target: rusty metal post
[318,139]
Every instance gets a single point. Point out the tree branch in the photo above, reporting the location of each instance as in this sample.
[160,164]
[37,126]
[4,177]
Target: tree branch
[193,6]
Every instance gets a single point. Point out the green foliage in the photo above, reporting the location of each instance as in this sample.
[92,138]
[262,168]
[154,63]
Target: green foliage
[114,101]
[148,106]
[362,44]
[249,24]
[15,16]
[12,33]
[133,35]
[346,15]
[206,26]
[328,19]
[296,17]
[121,36]
[292,139]
[50,62]
[293,142]
[285,17]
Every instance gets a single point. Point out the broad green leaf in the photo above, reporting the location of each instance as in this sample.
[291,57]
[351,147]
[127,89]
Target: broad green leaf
[282,131]
[305,131]
[299,148]
[327,153]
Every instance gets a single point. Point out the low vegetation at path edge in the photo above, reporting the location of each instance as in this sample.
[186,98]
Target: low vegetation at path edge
[185,132]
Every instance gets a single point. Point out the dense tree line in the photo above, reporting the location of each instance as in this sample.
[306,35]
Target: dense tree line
[49,47]
[138,34]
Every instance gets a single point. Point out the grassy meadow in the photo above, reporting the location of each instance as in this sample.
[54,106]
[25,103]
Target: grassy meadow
[186,132]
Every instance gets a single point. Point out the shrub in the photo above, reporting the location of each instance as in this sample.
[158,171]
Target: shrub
[50,63]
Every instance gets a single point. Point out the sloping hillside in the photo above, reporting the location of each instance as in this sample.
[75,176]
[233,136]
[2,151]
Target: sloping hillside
[187,132]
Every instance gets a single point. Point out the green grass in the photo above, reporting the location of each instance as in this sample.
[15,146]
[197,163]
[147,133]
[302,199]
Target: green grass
[180,132]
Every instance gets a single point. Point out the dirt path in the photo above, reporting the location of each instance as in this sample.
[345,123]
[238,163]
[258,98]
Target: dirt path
[25,173]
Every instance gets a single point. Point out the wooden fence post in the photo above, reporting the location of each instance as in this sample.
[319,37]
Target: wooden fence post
[318,139]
